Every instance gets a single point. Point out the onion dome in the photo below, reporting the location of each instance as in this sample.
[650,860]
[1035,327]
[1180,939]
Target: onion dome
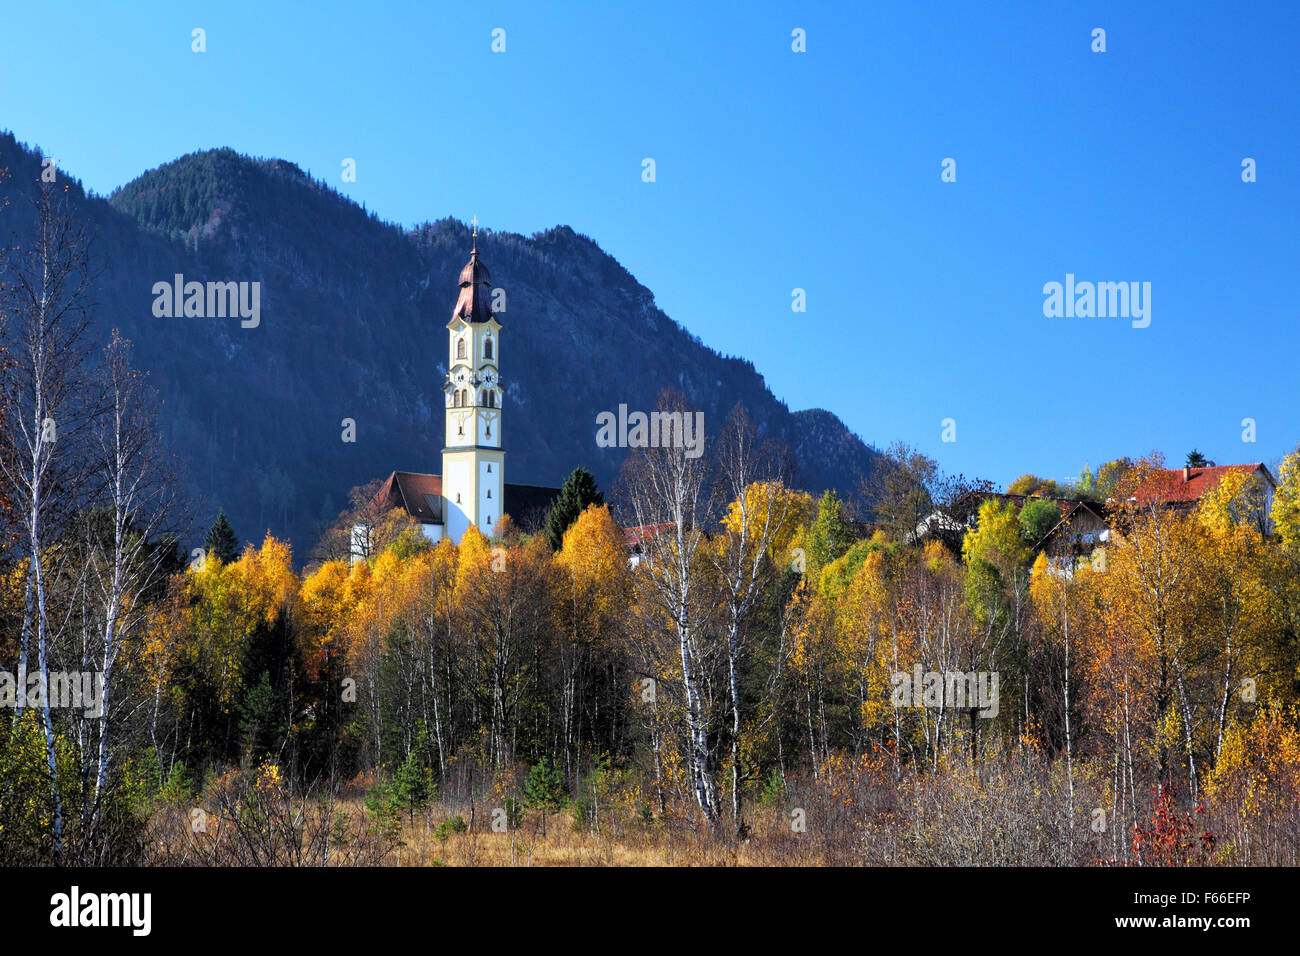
[475,287]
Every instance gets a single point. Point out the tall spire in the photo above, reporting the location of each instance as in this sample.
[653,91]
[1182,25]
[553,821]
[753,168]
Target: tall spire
[475,288]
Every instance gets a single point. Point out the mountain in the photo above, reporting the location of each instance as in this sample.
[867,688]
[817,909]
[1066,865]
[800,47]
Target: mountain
[353,326]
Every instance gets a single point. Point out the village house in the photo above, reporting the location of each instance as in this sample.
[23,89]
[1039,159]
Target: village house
[1182,488]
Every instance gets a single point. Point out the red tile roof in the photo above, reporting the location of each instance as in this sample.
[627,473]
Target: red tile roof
[412,490]
[406,490]
[639,533]
[1189,484]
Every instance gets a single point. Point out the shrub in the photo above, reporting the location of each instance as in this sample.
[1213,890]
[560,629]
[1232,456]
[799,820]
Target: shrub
[447,827]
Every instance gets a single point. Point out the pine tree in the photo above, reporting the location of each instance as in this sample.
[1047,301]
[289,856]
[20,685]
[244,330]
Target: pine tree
[414,784]
[578,492]
[544,787]
[830,535]
[221,540]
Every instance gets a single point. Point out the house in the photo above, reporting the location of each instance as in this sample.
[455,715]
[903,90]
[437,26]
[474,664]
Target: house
[636,538]
[1183,487]
[1080,536]
[963,514]
[1080,532]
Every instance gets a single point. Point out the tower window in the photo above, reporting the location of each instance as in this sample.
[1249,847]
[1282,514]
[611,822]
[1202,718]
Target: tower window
[487,348]
[489,431]
[458,497]
[489,471]
[489,492]
[460,348]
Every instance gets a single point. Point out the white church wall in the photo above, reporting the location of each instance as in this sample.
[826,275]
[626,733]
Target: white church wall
[489,504]
[457,481]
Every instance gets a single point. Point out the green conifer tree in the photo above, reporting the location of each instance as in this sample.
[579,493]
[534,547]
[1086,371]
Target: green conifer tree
[221,540]
[577,493]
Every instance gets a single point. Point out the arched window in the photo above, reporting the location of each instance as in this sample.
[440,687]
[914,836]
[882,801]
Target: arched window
[460,348]
[455,398]
[487,348]
[489,492]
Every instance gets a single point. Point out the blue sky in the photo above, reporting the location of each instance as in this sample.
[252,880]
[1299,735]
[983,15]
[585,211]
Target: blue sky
[777,170]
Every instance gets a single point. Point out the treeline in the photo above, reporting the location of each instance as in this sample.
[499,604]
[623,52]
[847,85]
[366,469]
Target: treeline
[763,650]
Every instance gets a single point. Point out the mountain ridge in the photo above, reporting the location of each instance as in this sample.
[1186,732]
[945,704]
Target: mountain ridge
[353,326]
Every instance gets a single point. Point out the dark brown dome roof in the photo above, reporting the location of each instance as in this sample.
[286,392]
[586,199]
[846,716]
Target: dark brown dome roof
[474,271]
[475,286]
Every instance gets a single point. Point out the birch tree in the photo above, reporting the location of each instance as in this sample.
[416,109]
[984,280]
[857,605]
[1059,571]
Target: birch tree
[49,411]
[669,498]
[751,474]
[127,564]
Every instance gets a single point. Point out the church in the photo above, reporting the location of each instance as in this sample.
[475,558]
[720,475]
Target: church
[472,489]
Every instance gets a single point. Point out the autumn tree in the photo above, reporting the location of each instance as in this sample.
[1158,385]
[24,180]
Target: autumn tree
[667,492]
[592,592]
[1031,484]
[750,472]
[126,566]
[1285,511]
[1150,596]
[900,490]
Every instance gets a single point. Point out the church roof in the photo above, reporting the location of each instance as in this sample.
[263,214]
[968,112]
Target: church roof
[528,505]
[420,496]
[475,272]
[475,287]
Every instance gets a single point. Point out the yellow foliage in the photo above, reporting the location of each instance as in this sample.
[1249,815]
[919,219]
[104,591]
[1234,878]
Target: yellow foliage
[765,502]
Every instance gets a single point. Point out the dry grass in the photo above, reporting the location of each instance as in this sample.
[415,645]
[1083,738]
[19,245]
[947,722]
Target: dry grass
[556,841]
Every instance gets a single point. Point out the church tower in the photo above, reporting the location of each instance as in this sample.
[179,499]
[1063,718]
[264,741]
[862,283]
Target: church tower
[473,464]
